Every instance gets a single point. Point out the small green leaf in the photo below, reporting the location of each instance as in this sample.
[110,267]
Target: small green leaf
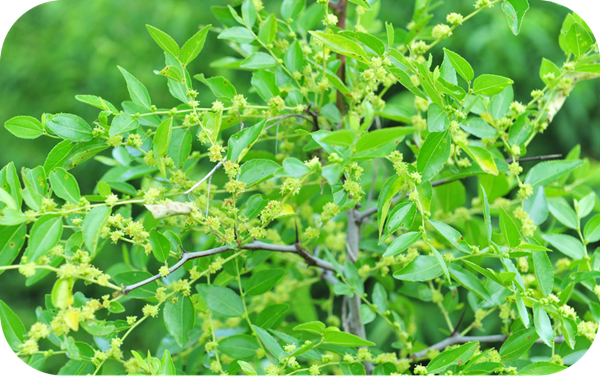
[315,327]
[458,356]
[12,239]
[268,30]
[192,48]
[44,235]
[240,346]
[544,272]
[24,127]
[162,138]
[92,227]
[362,3]
[265,84]
[179,318]
[453,236]
[469,281]
[263,281]
[370,41]
[137,90]
[591,231]
[489,84]
[381,137]
[237,34]
[561,210]
[271,315]
[353,278]
[569,331]
[433,154]
[585,206]
[224,301]
[548,67]
[12,327]
[517,344]
[522,309]
[269,342]
[437,120]
[249,13]
[163,40]
[380,297]
[441,260]
[547,172]
[422,268]
[340,45]
[70,127]
[578,40]
[65,185]
[161,246]
[486,215]
[294,58]
[401,217]
[543,326]
[239,144]
[509,229]
[166,365]
[127,278]
[258,170]
[259,60]
[566,244]
[220,86]
[123,123]
[402,243]
[483,158]
[461,65]
[541,368]
[291,8]
[515,12]
[247,368]
[335,337]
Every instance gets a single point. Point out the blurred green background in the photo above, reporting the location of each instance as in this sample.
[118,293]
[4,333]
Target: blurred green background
[69,47]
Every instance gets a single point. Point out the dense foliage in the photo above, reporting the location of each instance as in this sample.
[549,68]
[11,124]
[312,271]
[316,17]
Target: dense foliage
[317,221]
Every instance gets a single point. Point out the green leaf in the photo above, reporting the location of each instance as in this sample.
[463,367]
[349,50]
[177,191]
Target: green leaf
[342,137]
[578,40]
[543,326]
[441,260]
[544,273]
[353,278]
[362,3]
[258,170]
[247,368]
[271,315]
[517,344]
[461,65]
[220,86]
[8,200]
[97,102]
[401,217]
[433,154]
[437,120]
[137,90]
[249,13]
[265,84]
[239,144]
[127,278]
[520,131]
[65,185]
[547,172]
[180,147]
[458,356]
[469,281]
[509,229]
[263,281]
[480,128]
[12,239]
[500,104]
[422,268]
[315,327]
[567,244]
[92,227]
[483,158]
[294,58]
[384,201]
[268,30]
[391,34]
[569,331]
[192,48]
[70,127]
[453,236]
[161,246]
[237,34]
[522,309]
[515,12]
[259,60]
[340,45]
[179,319]
[372,42]
[122,123]
[585,206]
[381,137]
[291,8]
[561,210]
[166,365]
[224,301]
[335,337]
[591,232]
[396,113]
[44,235]
[12,327]
[162,138]
[366,314]
[269,342]
[486,215]
[402,243]
[24,127]
[240,346]
[546,68]
[163,40]
[76,367]
[541,368]
[380,297]
[489,84]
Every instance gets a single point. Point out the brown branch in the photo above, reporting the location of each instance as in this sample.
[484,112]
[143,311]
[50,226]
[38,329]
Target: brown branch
[254,246]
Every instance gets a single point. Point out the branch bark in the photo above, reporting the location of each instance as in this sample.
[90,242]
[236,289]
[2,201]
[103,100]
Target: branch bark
[254,246]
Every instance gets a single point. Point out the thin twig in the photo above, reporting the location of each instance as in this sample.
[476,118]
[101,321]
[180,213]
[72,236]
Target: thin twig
[206,177]
[254,246]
